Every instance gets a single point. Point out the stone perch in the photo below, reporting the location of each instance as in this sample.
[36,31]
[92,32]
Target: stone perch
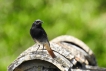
[71,55]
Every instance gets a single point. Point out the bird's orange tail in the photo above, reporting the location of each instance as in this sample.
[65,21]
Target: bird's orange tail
[51,53]
[49,50]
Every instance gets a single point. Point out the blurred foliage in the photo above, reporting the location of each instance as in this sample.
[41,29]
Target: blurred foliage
[84,19]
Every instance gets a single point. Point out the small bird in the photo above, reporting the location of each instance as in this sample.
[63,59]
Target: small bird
[39,35]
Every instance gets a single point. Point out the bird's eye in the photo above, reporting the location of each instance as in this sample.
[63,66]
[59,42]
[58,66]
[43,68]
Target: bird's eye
[37,21]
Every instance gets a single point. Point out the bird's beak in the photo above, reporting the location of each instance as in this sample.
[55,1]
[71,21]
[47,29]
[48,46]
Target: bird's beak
[41,22]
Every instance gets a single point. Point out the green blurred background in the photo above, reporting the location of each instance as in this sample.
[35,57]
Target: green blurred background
[84,19]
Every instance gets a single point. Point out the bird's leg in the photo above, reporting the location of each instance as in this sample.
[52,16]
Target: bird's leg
[42,48]
[37,48]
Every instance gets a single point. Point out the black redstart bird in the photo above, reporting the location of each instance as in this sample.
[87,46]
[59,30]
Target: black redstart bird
[39,35]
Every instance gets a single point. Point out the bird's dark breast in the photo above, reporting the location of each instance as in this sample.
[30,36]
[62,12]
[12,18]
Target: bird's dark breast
[38,35]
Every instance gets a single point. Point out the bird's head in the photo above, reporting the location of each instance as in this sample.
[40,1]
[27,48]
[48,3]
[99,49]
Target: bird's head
[37,23]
